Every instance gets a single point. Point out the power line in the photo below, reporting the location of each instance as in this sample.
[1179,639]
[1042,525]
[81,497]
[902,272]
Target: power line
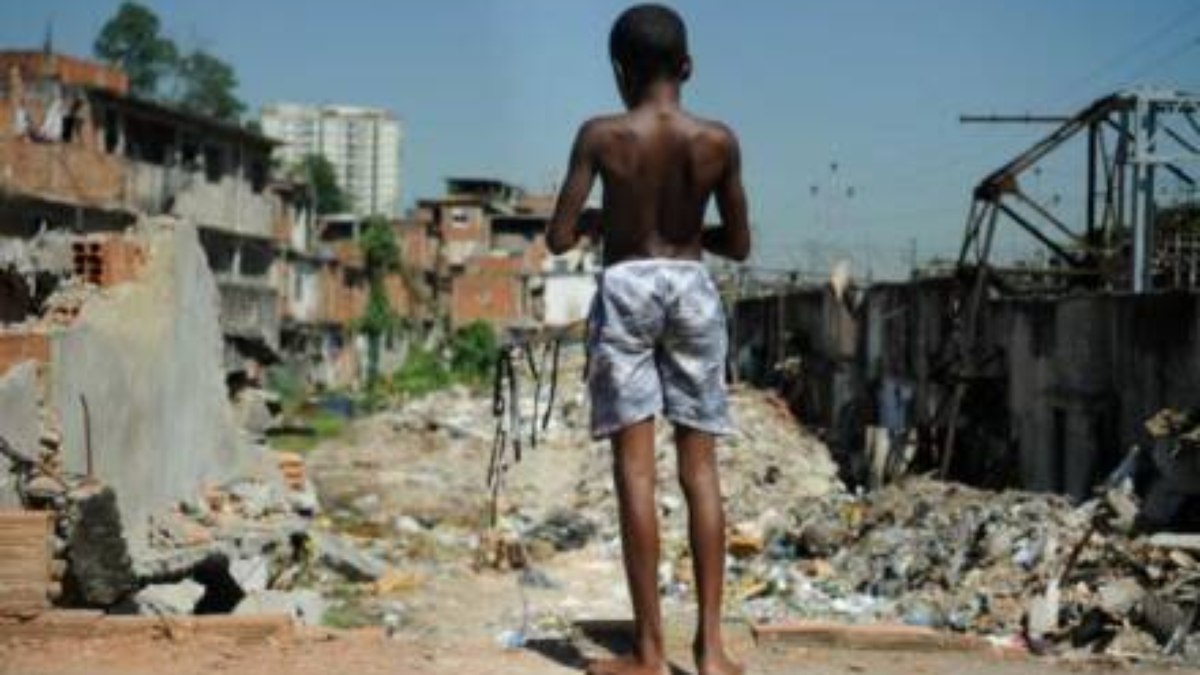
[1171,55]
[1068,90]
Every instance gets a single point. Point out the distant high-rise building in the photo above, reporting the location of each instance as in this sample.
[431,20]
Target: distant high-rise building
[363,144]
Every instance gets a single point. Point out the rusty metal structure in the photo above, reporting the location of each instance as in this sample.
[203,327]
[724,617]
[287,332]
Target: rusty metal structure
[1136,141]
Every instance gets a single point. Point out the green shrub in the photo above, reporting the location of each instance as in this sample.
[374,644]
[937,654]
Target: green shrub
[473,352]
[421,373]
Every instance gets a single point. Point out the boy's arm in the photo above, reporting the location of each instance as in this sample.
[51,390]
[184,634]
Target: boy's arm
[732,239]
[563,230]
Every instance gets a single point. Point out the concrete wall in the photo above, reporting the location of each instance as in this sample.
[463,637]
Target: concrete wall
[19,421]
[147,356]
[1085,372]
[1065,395]
[229,204]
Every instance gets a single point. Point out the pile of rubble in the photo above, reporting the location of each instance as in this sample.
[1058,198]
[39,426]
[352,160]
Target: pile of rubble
[407,489]
[408,485]
[1003,564]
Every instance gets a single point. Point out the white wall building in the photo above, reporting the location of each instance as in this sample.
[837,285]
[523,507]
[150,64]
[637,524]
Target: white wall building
[363,144]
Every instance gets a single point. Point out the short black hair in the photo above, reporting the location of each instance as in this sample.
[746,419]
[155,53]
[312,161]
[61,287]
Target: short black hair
[649,41]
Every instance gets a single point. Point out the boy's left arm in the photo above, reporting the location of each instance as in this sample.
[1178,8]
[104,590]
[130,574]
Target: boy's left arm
[563,230]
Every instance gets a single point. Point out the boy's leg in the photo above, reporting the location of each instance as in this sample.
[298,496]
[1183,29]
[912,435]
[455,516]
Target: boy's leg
[635,476]
[696,455]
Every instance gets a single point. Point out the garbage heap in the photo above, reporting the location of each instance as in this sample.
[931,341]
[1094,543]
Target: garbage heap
[1011,564]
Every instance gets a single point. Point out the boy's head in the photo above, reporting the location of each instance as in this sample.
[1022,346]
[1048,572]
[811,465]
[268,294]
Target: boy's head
[648,43]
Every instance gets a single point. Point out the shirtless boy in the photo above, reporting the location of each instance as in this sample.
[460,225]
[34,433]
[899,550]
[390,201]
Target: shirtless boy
[657,337]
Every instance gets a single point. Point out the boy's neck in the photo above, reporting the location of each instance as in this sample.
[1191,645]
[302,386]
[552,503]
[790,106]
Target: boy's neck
[659,94]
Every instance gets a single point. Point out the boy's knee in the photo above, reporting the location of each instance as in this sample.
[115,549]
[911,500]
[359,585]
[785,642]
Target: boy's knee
[695,474]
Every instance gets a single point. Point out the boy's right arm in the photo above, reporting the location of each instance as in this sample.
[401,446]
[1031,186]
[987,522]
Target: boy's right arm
[563,230]
[732,239]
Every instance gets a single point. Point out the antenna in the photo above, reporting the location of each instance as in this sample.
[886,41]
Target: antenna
[48,40]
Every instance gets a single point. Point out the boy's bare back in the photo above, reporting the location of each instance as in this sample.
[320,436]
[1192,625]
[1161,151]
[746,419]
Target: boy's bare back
[659,165]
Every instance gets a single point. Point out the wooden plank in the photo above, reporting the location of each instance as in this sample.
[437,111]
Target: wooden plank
[20,518]
[76,625]
[23,601]
[897,637]
[1187,542]
[256,628]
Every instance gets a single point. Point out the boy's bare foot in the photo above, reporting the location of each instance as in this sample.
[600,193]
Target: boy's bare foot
[717,663]
[626,665]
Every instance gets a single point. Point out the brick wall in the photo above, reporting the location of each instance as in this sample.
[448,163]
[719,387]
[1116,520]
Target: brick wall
[344,295]
[398,294]
[107,260]
[67,171]
[35,65]
[18,346]
[485,296]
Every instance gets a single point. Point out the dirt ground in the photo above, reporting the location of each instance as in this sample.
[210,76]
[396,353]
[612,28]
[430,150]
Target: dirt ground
[452,615]
[368,651]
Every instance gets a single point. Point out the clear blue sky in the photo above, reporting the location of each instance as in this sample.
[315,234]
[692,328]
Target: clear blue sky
[497,87]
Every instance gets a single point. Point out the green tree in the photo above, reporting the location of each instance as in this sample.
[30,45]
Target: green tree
[319,173]
[207,87]
[381,256]
[132,40]
[473,351]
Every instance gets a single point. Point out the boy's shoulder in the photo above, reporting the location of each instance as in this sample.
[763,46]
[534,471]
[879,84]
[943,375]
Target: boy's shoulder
[600,127]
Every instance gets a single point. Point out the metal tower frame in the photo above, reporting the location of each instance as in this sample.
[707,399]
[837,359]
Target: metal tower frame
[1132,138]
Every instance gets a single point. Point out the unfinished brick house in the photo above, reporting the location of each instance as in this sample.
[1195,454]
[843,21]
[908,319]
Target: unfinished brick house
[481,252]
[82,156]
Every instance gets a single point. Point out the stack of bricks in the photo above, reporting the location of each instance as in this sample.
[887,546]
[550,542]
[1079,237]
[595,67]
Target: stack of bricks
[25,563]
[291,466]
[17,346]
[106,261]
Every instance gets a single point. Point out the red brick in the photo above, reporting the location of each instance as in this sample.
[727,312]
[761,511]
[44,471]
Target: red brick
[69,70]
[495,298]
[16,347]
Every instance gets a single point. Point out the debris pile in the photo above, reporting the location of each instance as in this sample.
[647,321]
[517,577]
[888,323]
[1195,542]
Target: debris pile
[408,484]
[946,556]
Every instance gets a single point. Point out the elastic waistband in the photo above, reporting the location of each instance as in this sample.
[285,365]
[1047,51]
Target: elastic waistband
[658,262]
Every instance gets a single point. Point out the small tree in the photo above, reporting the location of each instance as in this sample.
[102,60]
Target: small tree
[473,351]
[132,40]
[207,87]
[319,173]
[381,256]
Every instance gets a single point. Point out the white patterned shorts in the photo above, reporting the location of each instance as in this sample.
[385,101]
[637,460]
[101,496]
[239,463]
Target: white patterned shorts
[657,343]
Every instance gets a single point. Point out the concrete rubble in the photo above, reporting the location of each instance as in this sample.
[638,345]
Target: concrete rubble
[1033,570]
[947,556]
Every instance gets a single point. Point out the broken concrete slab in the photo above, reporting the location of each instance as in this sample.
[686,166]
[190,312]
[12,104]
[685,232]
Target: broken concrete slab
[251,574]
[346,559]
[305,606]
[147,359]
[1186,542]
[255,498]
[178,599]
[18,422]
[1120,596]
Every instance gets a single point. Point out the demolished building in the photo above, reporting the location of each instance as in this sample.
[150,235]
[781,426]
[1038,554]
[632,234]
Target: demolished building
[137,259]
[1040,375]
